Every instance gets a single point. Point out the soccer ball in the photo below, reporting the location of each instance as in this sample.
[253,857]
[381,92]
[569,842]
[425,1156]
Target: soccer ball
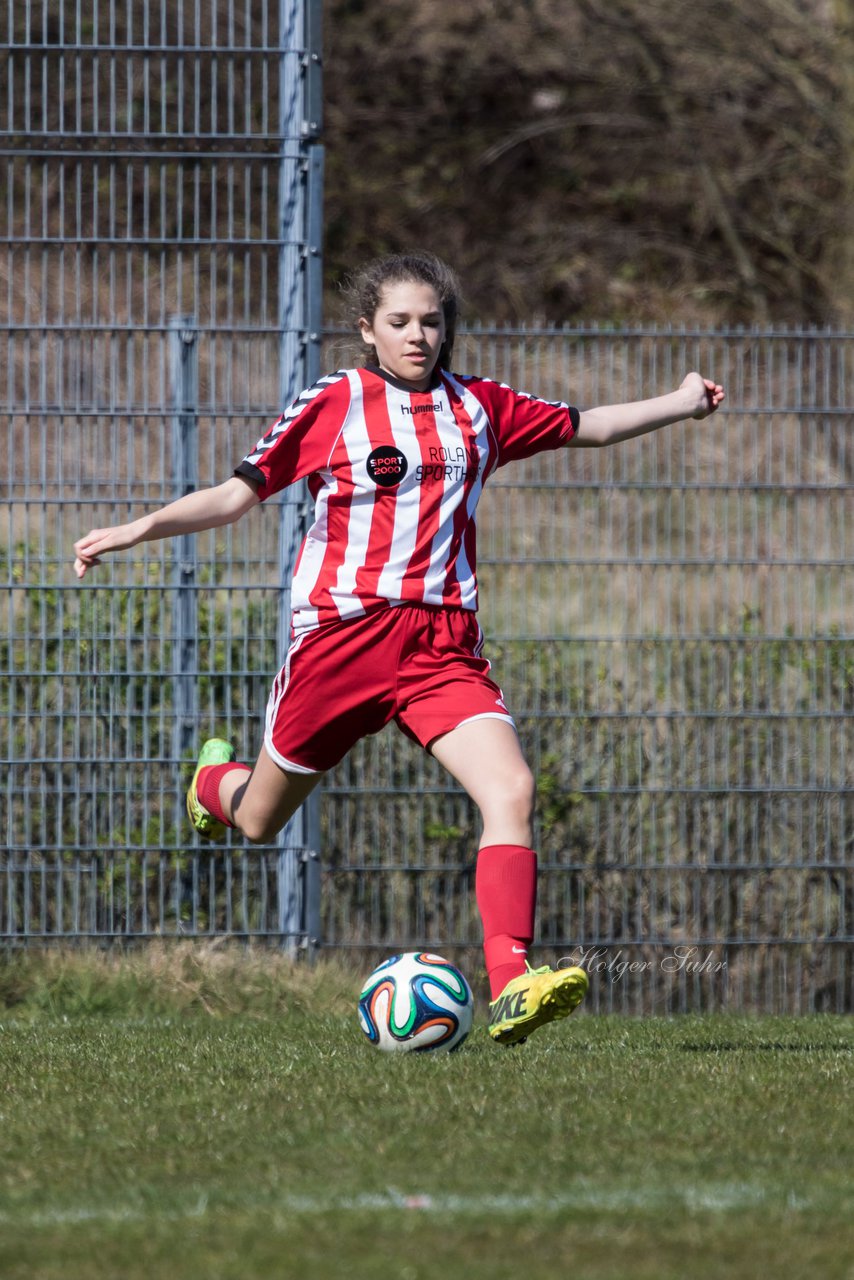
[416,1001]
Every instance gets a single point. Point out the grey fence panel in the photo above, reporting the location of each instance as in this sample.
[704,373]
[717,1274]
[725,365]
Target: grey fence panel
[146,151]
[671,621]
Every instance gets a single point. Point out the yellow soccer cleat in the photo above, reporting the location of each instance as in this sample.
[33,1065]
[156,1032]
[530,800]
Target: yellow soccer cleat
[533,999]
[214,751]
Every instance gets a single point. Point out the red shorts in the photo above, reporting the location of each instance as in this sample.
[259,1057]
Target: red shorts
[416,665]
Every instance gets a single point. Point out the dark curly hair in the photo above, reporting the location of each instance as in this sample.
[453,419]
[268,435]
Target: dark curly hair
[366,286]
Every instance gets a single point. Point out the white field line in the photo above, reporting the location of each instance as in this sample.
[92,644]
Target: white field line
[713,1198]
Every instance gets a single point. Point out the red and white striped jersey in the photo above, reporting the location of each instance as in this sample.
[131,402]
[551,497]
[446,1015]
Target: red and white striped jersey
[396,476]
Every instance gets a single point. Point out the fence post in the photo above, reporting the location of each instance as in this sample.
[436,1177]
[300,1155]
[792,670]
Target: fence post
[300,179]
[184,378]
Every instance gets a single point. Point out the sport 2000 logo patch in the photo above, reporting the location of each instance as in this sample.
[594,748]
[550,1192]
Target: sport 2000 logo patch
[387,466]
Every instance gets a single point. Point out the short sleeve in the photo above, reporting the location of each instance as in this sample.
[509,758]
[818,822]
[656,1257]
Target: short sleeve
[300,442]
[523,424]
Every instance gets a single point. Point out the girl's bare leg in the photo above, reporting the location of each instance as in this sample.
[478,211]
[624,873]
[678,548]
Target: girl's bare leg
[486,758]
[260,804]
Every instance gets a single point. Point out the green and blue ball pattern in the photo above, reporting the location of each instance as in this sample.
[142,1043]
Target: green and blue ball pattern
[416,1002]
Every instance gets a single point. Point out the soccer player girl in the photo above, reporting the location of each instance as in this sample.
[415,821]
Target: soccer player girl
[385,627]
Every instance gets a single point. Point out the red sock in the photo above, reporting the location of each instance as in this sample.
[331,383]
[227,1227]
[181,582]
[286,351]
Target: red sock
[207,787]
[506,892]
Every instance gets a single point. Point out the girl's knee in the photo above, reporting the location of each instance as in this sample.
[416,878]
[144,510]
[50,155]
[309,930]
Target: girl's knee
[264,804]
[257,827]
[516,793]
[525,792]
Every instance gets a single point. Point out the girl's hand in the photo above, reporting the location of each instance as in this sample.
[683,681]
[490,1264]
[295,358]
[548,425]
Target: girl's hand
[708,394]
[194,512]
[92,545]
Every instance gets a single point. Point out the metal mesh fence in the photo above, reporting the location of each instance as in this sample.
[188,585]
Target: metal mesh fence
[154,182]
[669,619]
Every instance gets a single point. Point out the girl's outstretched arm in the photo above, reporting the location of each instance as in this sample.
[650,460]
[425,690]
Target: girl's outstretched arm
[204,509]
[696,397]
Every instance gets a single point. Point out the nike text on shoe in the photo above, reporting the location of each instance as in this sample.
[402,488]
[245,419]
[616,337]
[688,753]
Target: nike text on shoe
[214,751]
[533,999]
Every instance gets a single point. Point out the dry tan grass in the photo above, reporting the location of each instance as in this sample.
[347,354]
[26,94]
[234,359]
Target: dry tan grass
[217,978]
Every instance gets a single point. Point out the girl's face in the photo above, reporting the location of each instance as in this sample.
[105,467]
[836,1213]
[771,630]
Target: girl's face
[407,330]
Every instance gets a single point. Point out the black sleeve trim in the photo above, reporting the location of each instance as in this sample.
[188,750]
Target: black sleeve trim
[574,417]
[247,470]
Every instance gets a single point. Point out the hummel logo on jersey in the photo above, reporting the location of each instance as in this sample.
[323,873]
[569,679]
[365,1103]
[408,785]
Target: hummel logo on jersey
[387,466]
[422,408]
[506,1007]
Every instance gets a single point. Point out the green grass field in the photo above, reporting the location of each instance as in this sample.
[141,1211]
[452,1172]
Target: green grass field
[188,1116]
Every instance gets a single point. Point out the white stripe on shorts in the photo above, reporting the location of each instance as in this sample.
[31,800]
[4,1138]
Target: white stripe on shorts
[278,691]
[485,715]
